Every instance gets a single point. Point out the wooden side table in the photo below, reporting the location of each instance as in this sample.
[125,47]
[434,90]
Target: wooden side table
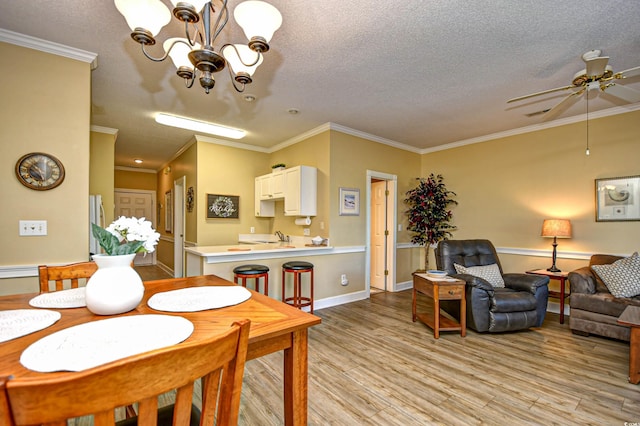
[560,276]
[631,318]
[439,289]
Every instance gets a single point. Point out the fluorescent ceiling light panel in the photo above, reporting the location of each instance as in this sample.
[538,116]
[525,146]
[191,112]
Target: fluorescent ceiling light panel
[200,126]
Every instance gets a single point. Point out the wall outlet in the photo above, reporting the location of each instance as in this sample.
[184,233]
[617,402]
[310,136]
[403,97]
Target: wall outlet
[252,230]
[399,227]
[33,228]
[343,279]
[322,225]
[306,231]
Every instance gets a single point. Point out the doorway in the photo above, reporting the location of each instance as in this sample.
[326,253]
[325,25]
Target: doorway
[381,235]
[178,226]
[137,203]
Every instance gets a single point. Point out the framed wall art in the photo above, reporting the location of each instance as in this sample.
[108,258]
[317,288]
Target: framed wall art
[168,211]
[349,202]
[618,199]
[222,206]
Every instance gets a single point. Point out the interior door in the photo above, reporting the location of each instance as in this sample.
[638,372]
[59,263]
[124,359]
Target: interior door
[131,203]
[378,234]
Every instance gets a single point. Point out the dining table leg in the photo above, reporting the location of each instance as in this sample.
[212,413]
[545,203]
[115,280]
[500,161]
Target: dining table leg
[296,379]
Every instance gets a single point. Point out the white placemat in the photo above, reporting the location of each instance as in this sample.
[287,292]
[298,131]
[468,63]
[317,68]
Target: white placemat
[99,342]
[72,298]
[20,322]
[445,278]
[194,299]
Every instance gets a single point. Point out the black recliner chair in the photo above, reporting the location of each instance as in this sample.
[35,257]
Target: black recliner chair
[521,304]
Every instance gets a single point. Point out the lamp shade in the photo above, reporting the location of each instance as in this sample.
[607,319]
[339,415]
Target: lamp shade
[560,228]
[257,19]
[248,57]
[179,54]
[151,15]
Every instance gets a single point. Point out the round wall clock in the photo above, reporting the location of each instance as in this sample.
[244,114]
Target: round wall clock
[39,171]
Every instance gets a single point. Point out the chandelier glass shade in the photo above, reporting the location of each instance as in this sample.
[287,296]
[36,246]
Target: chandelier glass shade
[194,55]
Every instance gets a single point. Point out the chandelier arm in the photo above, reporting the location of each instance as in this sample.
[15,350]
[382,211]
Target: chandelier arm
[154,59]
[196,34]
[220,26]
[240,57]
[238,86]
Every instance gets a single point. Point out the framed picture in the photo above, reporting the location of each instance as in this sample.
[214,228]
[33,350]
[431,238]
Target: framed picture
[349,202]
[168,211]
[222,206]
[618,199]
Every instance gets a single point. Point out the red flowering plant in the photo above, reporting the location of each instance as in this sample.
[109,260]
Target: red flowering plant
[429,213]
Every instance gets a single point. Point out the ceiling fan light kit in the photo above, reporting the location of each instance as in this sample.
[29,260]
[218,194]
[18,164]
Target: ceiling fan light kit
[597,74]
[195,54]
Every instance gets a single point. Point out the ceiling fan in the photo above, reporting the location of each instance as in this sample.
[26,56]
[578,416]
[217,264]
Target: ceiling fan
[598,74]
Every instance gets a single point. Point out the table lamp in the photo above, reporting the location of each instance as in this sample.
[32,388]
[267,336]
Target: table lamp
[556,228]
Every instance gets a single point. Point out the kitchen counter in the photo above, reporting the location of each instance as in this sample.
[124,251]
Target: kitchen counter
[257,251]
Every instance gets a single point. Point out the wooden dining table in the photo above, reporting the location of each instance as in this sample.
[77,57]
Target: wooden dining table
[275,326]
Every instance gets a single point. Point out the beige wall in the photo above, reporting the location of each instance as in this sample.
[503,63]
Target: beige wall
[506,187]
[313,152]
[52,118]
[101,176]
[130,179]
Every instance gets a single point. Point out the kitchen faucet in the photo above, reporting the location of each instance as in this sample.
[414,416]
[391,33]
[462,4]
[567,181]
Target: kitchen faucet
[281,237]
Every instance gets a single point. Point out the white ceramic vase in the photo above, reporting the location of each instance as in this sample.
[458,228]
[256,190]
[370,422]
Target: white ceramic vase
[115,287]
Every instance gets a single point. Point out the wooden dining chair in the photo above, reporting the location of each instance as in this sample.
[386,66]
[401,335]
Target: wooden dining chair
[70,273]
[219,361]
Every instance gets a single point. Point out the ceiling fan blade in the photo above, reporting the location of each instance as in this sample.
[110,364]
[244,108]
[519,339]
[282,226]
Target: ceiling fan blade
[631,72]
[597,66]
[622,92]
[544,92]
[562,105]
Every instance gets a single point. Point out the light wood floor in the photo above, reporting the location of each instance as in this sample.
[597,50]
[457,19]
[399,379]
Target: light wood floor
[370,364]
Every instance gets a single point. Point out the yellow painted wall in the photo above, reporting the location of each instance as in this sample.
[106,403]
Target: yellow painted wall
[101,176]
[53,118]
[506,187]
[227,171]
[129,179]
[313,152]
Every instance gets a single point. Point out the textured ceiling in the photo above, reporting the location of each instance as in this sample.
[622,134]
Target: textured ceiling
[421,73]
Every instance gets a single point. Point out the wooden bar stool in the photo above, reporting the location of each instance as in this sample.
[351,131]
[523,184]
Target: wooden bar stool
[252,271]
[297,268]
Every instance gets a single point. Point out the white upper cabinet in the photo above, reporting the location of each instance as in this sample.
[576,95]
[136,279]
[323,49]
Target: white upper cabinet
[300,191]
[265,207]
[298,187]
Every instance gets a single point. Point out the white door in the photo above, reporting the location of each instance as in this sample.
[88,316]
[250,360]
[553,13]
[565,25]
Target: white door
[178,227]
[378,234]
[132,203]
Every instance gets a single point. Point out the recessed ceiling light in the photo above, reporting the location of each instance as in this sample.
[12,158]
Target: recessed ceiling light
[137,161]
[293,111]
[200,126]
[249,98]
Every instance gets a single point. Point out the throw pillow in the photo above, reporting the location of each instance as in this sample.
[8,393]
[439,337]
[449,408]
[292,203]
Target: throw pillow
[622,277]
[491,273]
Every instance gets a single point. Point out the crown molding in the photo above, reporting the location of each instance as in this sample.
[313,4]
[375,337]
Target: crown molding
[105,130]
[49,47]
[135,169]
[208,139]
[536,127]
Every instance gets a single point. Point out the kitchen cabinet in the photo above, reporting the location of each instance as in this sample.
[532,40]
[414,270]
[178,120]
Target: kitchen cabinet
[300,191]
[271,186]
[265,207]
[298,187]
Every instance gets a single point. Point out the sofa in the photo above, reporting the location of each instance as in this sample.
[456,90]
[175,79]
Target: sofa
[594,310]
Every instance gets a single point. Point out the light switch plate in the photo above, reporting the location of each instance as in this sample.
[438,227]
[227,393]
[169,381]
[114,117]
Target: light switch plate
[33,228]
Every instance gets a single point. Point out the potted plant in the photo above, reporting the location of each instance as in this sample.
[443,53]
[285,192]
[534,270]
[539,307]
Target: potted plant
[277,167]
[429,213]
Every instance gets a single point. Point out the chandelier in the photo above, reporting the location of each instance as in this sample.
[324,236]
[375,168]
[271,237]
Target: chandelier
[194,54]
